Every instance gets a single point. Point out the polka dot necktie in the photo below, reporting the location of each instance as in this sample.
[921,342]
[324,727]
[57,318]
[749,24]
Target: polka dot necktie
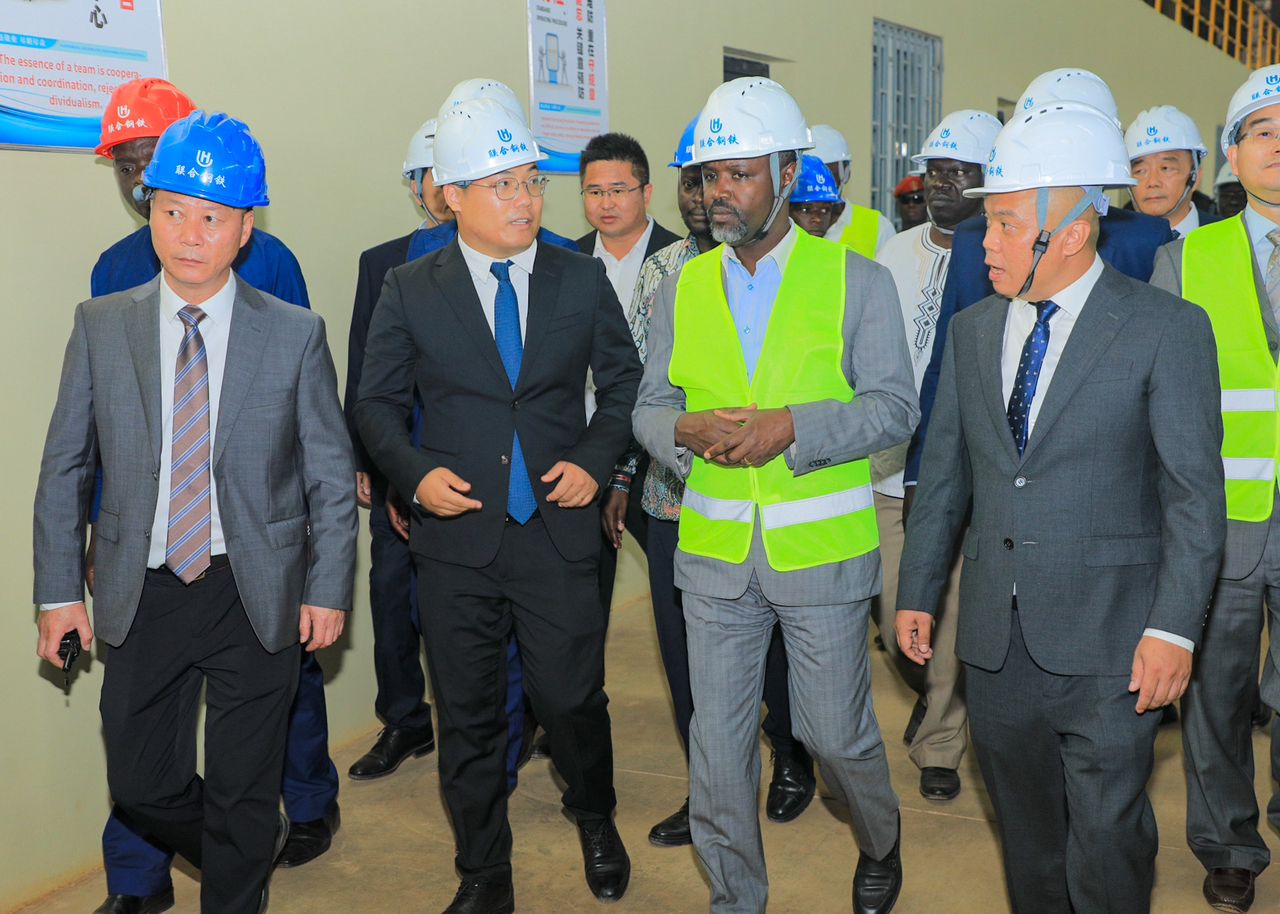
[1024,383]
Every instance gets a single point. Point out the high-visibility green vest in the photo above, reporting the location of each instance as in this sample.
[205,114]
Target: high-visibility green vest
[822,517]
[862,234]
[1217,274]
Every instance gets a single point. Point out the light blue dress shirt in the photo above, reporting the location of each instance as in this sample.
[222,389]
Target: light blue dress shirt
[751,296]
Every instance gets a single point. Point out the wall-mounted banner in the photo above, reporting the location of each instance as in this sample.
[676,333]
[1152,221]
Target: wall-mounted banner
[60,60]
[568,76]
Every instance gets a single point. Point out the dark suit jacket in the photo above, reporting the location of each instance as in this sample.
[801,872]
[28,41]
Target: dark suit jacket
[374,265]
[1113,519]
[659,238]
[429,330]
[1127,241]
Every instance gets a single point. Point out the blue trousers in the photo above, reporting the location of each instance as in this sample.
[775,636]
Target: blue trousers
[136,866]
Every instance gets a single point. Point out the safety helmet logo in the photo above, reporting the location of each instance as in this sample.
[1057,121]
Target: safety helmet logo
[946,132]
[122,111]
[204,159]
[992,157]
[504,135]
[715,125]
[1029,103]
[1152,131]
[1273,80]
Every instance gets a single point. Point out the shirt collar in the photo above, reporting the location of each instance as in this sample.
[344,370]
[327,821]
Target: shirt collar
[641,245]
[216,308]
[780,254]
[1189,223]
[1072,298]
[1257,225]
[479,263]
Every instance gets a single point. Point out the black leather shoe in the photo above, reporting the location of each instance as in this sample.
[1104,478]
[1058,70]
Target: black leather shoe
[673,831]
[876,883]
[478,897]
[1229,889]
[913,723]
[604,859]
[541,746]
[792,787]
[394,745]
[939,783]
[308,840]
[137,904]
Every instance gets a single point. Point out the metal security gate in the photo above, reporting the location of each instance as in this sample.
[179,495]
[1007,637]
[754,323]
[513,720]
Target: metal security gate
[906,103]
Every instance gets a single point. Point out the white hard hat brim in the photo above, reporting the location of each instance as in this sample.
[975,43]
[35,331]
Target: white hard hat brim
[489,172]
[977,192]
[728,155]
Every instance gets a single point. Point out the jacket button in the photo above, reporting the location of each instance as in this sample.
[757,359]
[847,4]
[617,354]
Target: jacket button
[504,460]
[155,474]
[1020,482]
[1008,543]
[515,404]
[146,535]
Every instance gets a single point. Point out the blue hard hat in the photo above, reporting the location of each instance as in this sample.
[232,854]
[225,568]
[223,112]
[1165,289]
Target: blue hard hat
[210,156]
[684,152]
[815,184]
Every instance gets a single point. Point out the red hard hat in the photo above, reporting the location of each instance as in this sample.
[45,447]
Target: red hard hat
[907,185]
[141,108]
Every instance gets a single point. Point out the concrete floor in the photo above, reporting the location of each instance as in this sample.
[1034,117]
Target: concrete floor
[394,851]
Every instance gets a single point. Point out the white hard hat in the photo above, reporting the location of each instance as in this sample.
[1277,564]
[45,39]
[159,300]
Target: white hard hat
[1260,90]
[481,138]
[470,89]
[966,136]
[1063,144]
[829,144]
[1069,84]
[419,154]
[748,117]
[1225,176]
[1163,129]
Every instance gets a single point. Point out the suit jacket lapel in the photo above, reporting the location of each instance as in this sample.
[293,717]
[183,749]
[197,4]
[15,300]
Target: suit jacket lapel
[143,328]
[1096,326]
[544,299]
[990,355]
[459,290]
[246,345]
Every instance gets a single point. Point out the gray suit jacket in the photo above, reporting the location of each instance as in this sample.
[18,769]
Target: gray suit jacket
[1112,520]
[884,413]
[1245,540]
[281,459]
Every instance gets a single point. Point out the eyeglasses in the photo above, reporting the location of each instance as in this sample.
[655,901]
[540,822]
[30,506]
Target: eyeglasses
[509,188]
[1261,134]
[613,193]
[912,198]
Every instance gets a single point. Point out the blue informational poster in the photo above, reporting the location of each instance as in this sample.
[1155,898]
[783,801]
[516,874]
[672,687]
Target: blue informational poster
[60,60]
[568,76]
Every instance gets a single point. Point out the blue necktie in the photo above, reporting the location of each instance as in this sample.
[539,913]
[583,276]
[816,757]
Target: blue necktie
[521,503]
[1024,383]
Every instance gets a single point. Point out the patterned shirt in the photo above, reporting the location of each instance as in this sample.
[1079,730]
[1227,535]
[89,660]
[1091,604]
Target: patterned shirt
[663,489]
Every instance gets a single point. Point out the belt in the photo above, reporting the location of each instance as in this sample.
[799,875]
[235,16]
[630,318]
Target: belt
[216,563]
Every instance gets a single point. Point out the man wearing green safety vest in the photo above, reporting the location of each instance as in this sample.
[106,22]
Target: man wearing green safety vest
[859,228]
[777,363]
[1232,270]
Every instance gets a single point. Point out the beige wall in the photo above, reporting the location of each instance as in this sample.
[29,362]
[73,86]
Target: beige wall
[333,91]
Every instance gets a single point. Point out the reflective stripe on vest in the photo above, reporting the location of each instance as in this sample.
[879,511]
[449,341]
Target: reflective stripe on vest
[1218,275]
[817,518]
[862,234]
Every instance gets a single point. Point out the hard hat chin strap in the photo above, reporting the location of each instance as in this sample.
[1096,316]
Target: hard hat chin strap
[1093,196]
[416,183]
[779,196]
[1253,196]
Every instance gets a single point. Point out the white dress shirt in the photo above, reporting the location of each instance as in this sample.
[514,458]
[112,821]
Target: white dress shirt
[1189,224]
[215,330]
[1017,327]
[623,273]
[487,284]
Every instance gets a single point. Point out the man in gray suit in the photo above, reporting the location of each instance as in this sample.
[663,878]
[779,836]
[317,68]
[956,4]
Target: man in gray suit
[1077,415]
[228,524]
[1232,270]
[756,350]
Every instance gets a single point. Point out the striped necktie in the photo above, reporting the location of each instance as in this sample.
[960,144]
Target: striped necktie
[187,553]
[1024,382]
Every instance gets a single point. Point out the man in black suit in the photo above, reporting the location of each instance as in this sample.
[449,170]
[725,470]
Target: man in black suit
[614,173]
[497,333]
[401,699]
